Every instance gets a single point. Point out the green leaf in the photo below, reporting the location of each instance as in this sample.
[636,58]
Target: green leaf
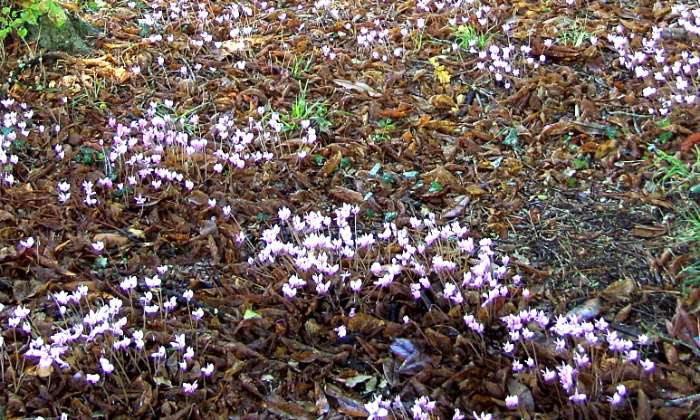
[663,123]
[101,262]
[375,169]
[695,189]
[55,12]
[579,164]
[22,32]
[611,132]
[512,138]
[390,215]
[250,314]
[665,136]
[435,187]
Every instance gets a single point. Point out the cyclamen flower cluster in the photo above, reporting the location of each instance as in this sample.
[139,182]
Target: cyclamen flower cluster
[141,150]
[422,408]
[577,341]
[83,324]
[433,255]
[669,81]
[16,126]
[378,408]
[326,251]
[233,18]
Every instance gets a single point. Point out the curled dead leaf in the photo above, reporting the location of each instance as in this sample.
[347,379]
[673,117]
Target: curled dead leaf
[442,102]
[6,216]
[441,175]
[648,231]
[605,148]
[347,195]
[346,404]
[690,142]
[111,239]
[331,164]
[358,87]
[619,290]
[460,204]
[475,190]
[198,198]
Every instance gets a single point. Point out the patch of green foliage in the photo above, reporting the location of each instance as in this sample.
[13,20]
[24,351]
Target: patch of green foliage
[684,178]
[677,174]
[18,20]
[690,235]
[574,35]
[300,66]
[467,37]
[302,109]
[385,127]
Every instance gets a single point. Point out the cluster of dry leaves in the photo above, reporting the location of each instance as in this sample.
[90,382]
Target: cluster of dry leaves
[556,167]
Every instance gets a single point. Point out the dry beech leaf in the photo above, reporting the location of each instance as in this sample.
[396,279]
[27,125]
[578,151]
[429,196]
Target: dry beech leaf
[346,404]
[347,195]
[643,406]
[605,148]
[6,216]
[642,231]
[442,102]
[441,175]
[475,190]
[624,313]
[197,198]
[331,164]
[458,207]
[111,239]
[620,290]
[360,87]
[690,142]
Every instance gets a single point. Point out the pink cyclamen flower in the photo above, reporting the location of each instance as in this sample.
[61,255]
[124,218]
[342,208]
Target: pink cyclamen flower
[647,365]
[208,369]
[549,375]
[27,243]
[376,409]
[159,354]
[189,388]
[179,343]
[188,295]
[106,366]
[198,314]
[512,402]
[578,397]
[189,354]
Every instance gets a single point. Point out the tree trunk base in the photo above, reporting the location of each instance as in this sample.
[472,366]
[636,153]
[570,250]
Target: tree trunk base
[71,37]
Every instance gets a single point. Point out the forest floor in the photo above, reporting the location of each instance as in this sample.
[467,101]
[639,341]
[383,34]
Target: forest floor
[331,209]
